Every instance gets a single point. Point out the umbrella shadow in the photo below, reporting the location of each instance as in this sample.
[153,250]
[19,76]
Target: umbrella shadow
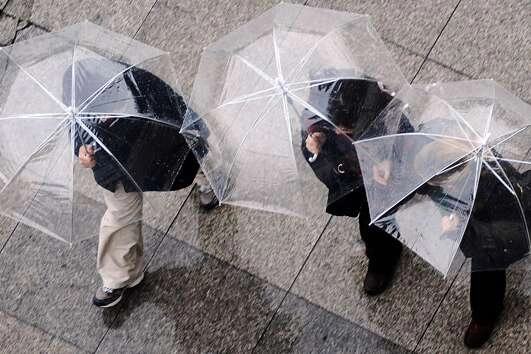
[210,303]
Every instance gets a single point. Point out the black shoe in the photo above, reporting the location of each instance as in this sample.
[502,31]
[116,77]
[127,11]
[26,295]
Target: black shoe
[378,278]
[478,333]
[107,297]
[207,198]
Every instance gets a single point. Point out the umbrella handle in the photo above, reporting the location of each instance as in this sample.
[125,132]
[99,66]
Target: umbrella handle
[313,158]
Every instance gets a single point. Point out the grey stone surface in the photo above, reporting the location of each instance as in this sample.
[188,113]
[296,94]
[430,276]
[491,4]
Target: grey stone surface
[333,279]
[193,303]
[271,246]
[19,8]
[410,24]
[512,334]
[49,285]
[314,330]
[161,208]
[192,25]
[7,225]
[19,337]
[123,16]
[8,29]
[490,39]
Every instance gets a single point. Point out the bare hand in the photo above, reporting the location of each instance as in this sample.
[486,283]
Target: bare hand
[314,142]
[86,156]
[449,223]
[381,172]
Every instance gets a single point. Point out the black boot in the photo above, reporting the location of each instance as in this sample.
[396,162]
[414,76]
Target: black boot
[379,276]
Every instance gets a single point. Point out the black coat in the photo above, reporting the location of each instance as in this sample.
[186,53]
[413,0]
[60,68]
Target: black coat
[349,103]
[495,236]
[153,153]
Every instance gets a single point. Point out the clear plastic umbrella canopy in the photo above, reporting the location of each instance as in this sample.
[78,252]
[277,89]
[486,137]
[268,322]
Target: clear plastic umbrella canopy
[447,170]
[261,90]
[81,85]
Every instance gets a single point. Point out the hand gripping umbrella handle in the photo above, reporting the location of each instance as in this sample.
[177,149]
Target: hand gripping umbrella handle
[313,158]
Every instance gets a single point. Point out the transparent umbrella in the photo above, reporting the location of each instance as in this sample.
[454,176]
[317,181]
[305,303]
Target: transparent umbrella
[262,89]
[84,85]
[447,170]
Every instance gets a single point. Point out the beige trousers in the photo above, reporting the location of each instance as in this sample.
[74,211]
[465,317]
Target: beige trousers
[121,247]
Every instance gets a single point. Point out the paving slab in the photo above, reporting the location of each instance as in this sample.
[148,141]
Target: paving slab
[19,8]
[490,39]
[19,337]
[312,329]
[271,246]
[333,279]
[8,29]
[193,25]
[123,16]
[50,285]
[512,334]
[409,24]
[193,303]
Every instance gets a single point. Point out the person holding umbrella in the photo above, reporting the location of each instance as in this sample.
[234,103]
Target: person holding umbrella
[459,181]
[352,106]
[493,235]
[144,156]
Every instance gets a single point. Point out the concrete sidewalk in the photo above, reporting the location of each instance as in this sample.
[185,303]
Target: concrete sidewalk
[236,280]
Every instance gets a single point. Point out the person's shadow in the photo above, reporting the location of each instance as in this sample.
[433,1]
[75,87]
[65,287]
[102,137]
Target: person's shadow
[213,306]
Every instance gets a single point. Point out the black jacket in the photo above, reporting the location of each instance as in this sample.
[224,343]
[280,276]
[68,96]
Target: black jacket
[353,104]
[495,236]
[152,152]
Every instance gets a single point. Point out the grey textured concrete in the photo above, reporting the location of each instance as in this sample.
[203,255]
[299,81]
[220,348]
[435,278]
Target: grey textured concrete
[311,329]
[333,279]
[184,28]
[8,29]
[193,303]
[409,24]
[512,334]
[123,16]
[219,277]
[491,40]
[49,285]
[19,337]
[272,246]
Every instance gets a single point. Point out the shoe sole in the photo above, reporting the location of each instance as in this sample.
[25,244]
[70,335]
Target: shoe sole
[117,301]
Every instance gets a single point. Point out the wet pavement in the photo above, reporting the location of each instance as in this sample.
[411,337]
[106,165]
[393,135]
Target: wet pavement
[237,280]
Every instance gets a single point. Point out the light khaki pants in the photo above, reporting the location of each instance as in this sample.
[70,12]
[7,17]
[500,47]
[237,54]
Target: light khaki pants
[121,247]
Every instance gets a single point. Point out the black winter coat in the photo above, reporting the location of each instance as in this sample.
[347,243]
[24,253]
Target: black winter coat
[353,104]
[154,154]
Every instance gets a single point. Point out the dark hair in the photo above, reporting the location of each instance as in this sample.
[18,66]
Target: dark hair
[351,99]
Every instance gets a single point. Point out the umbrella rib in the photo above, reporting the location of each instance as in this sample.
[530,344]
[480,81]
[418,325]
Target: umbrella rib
[102,145]
[49,138]
[310,52]
[266,110]
[98,92]
[73,79]
[510,135]
[462,120]
[373,220]
[509,188]
[100,115]
[413,134]
[317,82]
[513,160]
[277,55]
[32,116]
[257,70]
[35,81]
[522,212]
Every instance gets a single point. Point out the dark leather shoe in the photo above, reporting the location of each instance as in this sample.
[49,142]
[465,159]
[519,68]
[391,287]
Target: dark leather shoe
[378,279]
[376,282]
[478,333]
